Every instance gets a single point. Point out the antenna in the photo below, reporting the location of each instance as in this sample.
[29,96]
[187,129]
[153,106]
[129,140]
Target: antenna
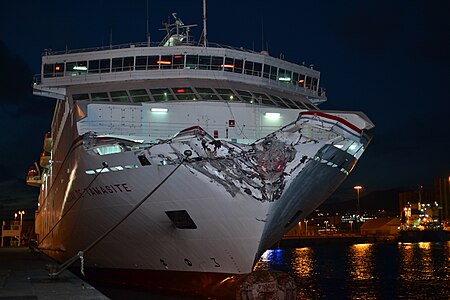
[110,38]
[262,32]
[205,39]
[148,33]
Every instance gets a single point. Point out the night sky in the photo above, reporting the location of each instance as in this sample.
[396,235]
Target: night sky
[389,59]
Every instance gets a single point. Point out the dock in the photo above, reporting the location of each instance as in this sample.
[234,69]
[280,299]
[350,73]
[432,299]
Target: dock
[23,275]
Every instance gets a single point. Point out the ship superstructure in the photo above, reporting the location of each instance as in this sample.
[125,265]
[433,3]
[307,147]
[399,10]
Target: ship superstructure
[235,136]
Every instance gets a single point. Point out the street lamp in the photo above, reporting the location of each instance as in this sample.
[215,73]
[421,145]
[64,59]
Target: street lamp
[358,188]
[306,227]
[21,213]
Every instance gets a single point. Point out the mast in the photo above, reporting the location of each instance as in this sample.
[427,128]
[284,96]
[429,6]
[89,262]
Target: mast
[205,39]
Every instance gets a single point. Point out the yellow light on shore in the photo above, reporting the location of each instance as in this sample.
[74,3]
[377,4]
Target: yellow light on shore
[357,188]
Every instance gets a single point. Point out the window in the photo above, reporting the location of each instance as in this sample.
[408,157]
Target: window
[226,94]
[119,96]
[128,63]
[206,94]
[248,67]
[204,62]
[94,66]
[284,76]
[161,94]
[308,82]
[105,65]
[273,72]
[49,70]
[76,68]
[257,69]
[184,93]
[301,80]
[228,66]
[238,65]
[191,61]
[117,64]
[178,61]
[263,99]
[59,69]
[141,63]
[266,72]
[139,95]
[152,62]
[110,149]
[100,97]
[315,82]
[165,62]
[216,63]
[120,64]
[77,97]
[279,102]
[246,96]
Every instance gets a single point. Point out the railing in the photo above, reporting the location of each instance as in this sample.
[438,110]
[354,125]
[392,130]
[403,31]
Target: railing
[49,52]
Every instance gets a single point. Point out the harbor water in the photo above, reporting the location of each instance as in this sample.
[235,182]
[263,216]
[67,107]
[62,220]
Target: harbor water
[352,271]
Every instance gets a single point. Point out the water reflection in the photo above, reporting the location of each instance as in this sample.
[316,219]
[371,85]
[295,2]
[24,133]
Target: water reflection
[362,278]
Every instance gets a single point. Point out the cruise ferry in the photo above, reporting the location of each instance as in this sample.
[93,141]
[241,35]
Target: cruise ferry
[183,158]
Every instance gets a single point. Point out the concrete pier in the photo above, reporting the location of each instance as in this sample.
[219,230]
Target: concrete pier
[23,275]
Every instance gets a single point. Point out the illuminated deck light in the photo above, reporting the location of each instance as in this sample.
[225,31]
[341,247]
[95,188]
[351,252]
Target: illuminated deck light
[272,115]
[155,109]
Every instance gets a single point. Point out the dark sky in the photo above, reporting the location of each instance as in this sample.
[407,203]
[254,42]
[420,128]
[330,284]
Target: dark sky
[389,59]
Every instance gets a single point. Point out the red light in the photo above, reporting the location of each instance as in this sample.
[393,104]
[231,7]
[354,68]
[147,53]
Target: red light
[181,90]
[57,68]
[301,81]
[178,56]
[227,66]
[164,62]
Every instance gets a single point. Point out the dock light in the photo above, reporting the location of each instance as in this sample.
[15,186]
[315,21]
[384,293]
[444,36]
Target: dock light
[357,188]
[155,109]
[272,115]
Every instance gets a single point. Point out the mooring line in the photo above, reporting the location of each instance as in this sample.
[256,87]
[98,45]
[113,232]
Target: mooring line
[81,253]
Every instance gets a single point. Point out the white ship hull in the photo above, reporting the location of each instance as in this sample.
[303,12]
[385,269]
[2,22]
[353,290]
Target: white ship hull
[181,159]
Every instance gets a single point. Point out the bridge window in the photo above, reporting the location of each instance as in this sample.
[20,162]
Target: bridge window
[262,99]
[308,82]
[100,96]
[284,76]
[77,97]
[76,68]
[238,65]
[314,84]
[257,69]
[301,80]
[191,61]
[120,64]
[279,102]
[139,95]
[206,94]
[178,61]
[226,94]
[228,65]
[273,72]
[99,66]
[204,62]
[165,62]
[266,72]
[119,96]
[184,93]
[162,94]
[141,63]
[216,63]
[246,96]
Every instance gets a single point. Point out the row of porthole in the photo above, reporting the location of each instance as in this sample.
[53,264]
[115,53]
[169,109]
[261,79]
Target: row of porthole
[113,169]
[189,263]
